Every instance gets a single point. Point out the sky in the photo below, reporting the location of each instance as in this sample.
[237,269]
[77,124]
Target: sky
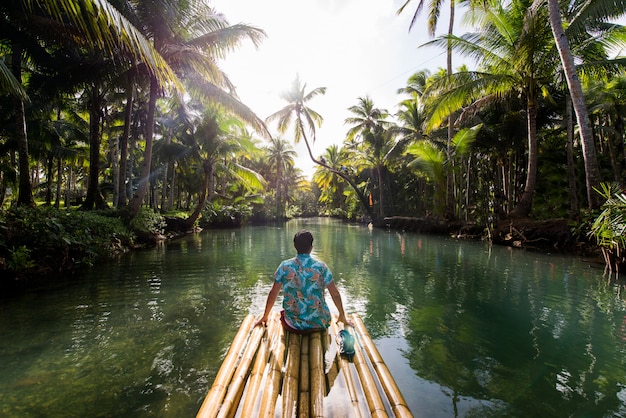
[354,48]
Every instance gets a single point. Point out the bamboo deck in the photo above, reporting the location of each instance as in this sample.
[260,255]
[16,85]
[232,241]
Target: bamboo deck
[270,373]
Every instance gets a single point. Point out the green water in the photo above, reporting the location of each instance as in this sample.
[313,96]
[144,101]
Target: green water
[468,330]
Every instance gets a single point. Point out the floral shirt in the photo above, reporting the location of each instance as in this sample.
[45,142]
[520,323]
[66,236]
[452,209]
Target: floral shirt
[304,280]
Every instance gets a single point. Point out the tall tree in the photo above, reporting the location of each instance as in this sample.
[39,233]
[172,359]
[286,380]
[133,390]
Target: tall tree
[434,11]
[214,144]
[191,37]
[370,124]
[592,170]
[34,28]
[280,156]
[589,21]
[513,48]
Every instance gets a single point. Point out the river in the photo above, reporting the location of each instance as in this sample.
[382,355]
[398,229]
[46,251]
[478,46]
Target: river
[467,329]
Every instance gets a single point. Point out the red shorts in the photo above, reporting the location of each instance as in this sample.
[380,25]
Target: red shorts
[293,330]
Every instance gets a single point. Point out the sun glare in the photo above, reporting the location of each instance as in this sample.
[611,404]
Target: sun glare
[353,48]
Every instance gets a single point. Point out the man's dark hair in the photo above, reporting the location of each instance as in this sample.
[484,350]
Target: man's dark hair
[303,241]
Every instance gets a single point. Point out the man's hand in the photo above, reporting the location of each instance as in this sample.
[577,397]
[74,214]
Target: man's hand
[262,321]
[346,321]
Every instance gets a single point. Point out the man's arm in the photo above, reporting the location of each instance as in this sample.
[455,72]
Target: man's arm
[271,298]
[336,296]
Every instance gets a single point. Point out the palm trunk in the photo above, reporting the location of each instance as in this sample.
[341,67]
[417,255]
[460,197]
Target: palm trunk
[25,188]
[381,209]
[571,171]
[144,181]
[206,185]
[122,198]
[57,200]
[49,175]
[278,194]
[94,197]
[450,212]
[592,171]
[525,203]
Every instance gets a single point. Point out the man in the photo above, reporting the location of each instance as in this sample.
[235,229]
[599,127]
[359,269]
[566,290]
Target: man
[304,281]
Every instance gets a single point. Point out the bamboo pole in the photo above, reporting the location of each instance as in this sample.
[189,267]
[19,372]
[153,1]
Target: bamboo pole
[368,382]
[305,386]
[256,377]
[333,408]
[396,400]
[274,378]
[213,400]
[344,366]
[333,365]
[318,380]
[238,383]
[290,380]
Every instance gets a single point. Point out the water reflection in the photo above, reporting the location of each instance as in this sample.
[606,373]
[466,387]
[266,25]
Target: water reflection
[466,329]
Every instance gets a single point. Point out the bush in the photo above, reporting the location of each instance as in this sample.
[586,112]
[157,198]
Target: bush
[609,228]
[221,216]
[148,221]
[48,239]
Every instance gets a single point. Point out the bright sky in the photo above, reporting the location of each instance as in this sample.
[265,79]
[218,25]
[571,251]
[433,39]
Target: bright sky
[353,48]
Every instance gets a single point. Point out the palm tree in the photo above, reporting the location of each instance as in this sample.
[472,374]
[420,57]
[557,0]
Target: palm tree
[305,119]
[516,60]
[412,119]
[215,143]
[416,84]
[191,37]
[369,123]
[588,16]
[330,185]
[432,162]
[280,156]
[434,10]
[297,112]
[95,24]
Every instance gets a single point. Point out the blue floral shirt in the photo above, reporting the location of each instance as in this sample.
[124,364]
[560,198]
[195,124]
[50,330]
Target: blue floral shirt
[304,280]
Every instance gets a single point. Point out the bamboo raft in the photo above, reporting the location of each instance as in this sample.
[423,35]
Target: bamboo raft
[270,373]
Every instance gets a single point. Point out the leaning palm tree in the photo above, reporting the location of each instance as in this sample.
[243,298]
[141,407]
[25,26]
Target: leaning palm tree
[304,119]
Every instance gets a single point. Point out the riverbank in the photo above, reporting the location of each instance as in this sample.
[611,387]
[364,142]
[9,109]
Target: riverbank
[550,235]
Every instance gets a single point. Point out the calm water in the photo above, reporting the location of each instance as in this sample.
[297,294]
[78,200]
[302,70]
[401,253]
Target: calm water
[468,330]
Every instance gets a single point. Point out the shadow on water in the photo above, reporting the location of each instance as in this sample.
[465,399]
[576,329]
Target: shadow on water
[468,330]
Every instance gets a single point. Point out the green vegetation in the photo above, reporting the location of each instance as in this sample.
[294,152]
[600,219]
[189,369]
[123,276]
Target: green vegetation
[118,121]
[46,240]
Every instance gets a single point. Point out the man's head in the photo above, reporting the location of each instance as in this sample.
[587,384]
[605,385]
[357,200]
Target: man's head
[303,241]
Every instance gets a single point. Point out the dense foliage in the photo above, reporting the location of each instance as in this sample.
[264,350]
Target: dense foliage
[124,109]
[48,240]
